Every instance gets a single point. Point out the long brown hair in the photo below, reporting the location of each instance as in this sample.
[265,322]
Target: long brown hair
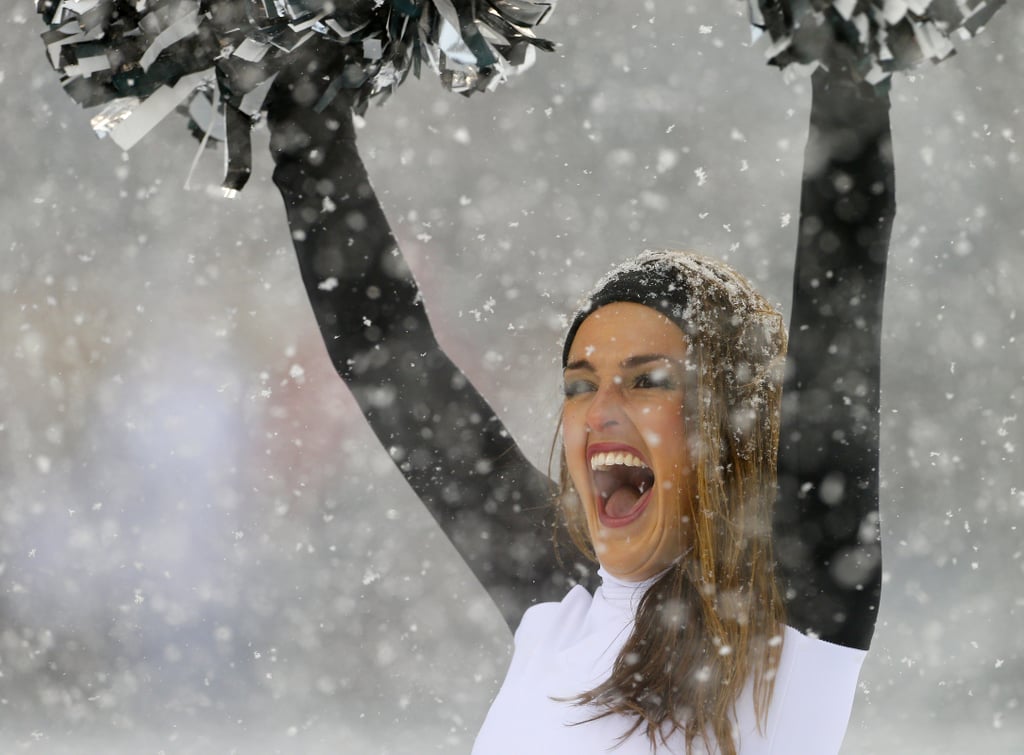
[715,617]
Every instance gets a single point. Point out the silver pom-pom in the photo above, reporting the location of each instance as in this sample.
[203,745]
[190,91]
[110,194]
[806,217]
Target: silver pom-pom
[872,38]
[215,59]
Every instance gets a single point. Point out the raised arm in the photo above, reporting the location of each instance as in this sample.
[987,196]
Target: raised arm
[826,521]
[456,454]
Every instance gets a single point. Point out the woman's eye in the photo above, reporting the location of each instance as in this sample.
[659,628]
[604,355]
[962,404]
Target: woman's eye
[655,379]
[576,387]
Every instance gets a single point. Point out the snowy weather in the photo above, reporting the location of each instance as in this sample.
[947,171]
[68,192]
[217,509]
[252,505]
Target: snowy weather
[205,549]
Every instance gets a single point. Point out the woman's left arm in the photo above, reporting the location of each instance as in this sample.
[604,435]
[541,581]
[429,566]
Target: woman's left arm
[826,533]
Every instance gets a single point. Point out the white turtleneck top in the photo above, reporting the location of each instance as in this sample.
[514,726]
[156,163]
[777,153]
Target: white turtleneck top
[565,648]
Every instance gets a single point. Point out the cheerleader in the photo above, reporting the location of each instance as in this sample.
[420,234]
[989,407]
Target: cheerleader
[733,519]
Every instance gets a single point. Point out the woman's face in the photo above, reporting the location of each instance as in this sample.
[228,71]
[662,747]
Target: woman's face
[625,437]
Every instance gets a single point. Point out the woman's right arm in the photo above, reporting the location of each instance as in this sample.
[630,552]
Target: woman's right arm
[455,453]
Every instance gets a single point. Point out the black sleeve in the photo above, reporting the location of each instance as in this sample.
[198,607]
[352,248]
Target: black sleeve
[457,456]
[826,532]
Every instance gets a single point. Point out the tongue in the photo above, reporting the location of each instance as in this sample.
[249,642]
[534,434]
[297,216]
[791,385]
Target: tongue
[622,501]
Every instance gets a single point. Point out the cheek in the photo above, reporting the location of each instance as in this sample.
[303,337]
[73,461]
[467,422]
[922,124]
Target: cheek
[674,454]
[573,428]
[574,437]
[664,432]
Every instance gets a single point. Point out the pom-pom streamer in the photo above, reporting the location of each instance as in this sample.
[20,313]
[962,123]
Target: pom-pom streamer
[216,59]
[873,38]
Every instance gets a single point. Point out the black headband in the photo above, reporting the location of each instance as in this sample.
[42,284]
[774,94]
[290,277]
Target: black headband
[646,280]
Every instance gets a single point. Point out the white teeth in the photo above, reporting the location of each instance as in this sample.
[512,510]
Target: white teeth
[615,458]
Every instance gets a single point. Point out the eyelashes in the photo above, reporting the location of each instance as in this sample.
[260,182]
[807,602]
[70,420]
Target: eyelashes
[659,378]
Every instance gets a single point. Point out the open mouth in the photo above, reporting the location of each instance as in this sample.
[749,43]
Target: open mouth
[623,482]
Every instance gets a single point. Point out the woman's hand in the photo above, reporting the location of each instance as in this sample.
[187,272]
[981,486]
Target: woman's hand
[847,115]
[307,109]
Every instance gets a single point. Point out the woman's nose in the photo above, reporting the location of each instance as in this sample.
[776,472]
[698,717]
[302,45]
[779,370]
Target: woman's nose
[605,409]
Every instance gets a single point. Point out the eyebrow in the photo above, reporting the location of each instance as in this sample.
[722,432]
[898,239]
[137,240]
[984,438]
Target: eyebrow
[627,363]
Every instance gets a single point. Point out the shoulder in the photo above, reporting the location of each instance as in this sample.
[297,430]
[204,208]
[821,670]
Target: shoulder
[800,649]
[546,621]
[814,690]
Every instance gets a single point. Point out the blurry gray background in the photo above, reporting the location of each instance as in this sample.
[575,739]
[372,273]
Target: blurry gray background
[202,547]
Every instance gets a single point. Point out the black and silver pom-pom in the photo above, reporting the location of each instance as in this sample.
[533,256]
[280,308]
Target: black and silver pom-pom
[216,59]
[873,38]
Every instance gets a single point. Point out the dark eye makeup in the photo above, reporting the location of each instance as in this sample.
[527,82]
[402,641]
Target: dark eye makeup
[576,387]
[657,377]
[660,377]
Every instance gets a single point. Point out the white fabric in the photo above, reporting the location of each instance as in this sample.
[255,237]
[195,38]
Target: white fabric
[565,648]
